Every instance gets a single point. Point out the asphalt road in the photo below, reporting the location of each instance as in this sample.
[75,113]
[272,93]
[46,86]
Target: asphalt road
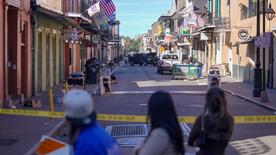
[146,78]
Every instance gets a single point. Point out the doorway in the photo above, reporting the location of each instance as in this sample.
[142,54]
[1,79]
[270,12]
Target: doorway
[54,47]
[230,61]
[48,63]
[39,63]
[24,59]
[12,50]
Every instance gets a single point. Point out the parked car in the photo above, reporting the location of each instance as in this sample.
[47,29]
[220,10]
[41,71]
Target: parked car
[166,62]
[137,58]
[223,69]
[151,58]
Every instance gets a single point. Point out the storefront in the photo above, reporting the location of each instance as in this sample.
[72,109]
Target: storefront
[48,50]
[16,51]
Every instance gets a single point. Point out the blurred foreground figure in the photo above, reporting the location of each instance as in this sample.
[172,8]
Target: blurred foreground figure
[86,136]
[165,137]
[214,127]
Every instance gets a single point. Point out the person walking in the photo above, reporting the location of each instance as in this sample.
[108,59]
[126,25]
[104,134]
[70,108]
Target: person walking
[165,136]
[214,127]
[86,135]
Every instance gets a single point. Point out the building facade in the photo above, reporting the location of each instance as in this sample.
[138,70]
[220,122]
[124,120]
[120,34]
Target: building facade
[48,45]
[15,49]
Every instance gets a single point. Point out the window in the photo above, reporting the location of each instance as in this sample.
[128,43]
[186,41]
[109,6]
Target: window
[217,9]
[244,12]
[170,57]
[252,5]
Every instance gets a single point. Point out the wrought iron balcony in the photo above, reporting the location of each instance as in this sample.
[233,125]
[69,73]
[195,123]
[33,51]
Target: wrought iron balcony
[222,23]
[77,9]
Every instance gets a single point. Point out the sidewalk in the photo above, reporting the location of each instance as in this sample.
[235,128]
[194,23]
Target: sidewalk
[245,89]
[19,134]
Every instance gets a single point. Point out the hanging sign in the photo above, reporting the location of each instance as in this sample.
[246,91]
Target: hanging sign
[243,34]
[205,36]
[263,41]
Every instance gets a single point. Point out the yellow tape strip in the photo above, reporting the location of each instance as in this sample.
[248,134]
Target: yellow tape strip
[136,118]
[34,113]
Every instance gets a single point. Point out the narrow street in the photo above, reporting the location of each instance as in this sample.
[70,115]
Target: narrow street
[56,54]
[134,78]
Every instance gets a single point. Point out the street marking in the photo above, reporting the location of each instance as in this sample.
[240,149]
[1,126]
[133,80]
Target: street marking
[152,83]
[151,92]
[136,118]
[260,145]
[143,104]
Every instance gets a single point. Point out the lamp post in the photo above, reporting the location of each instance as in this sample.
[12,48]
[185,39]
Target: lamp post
[269,14]
[257,71]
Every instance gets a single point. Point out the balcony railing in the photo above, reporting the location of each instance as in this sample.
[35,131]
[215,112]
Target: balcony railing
[222,23]
[218,23]
[77,8]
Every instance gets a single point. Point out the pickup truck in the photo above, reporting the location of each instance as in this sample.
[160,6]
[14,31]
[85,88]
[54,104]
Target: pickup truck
[166,62]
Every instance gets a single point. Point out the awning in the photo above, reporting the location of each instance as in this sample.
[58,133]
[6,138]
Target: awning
[57,16]
[207,27]
[191,35]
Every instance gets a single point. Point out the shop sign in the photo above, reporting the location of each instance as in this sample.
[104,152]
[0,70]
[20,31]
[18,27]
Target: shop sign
[95,39]
[205,36]
[263,41]
[243,34]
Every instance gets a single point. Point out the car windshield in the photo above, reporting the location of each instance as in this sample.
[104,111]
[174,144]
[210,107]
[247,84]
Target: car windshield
[175,57]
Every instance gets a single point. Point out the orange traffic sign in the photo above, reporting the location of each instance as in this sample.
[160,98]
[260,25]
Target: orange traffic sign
[49,146]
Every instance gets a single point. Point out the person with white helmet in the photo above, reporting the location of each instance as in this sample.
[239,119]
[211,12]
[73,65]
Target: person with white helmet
[86,135]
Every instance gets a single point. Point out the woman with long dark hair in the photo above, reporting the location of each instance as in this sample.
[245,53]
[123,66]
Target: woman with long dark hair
[214,127]
[165,137]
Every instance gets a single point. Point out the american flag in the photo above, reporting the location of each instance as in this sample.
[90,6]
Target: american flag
[108,7]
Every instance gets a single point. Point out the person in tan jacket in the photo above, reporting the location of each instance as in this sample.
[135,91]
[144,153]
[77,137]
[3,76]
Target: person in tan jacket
[165,136]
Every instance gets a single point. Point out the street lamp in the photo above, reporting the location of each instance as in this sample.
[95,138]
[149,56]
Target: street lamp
[257,70]
[270,13]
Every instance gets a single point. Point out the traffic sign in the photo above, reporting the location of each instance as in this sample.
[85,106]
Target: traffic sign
[51,146]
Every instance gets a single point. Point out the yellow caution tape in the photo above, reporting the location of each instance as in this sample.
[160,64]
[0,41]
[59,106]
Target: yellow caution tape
[136,118]
[34,113]
[255,119]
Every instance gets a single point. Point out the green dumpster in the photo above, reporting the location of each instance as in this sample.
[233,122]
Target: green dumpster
[183,71]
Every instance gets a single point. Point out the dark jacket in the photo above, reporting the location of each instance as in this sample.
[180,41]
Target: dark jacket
[217,136]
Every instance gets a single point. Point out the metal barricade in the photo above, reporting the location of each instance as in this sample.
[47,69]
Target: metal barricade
[183,71]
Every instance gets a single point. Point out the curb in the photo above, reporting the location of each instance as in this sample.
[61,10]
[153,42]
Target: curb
[267,107]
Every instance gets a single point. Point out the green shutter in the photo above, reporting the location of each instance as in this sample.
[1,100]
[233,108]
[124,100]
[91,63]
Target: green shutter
[209,5]
[217,10]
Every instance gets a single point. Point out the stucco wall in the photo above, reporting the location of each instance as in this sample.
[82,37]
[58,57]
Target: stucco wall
[1,52]
[53,5]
